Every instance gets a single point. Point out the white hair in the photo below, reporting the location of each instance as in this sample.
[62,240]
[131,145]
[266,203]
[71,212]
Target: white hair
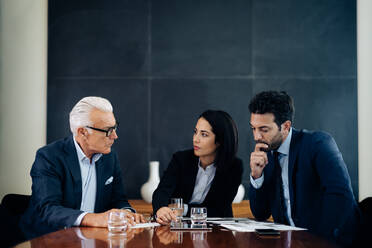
[80,113]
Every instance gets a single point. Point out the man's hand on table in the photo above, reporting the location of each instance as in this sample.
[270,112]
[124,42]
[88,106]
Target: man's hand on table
[101,219]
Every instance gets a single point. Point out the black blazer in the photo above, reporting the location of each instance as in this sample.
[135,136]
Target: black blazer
[56,188]
[178,181]
[321,196]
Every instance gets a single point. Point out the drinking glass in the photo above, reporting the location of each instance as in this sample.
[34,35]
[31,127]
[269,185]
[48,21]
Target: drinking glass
[117,223]
[176,206]
[198,216]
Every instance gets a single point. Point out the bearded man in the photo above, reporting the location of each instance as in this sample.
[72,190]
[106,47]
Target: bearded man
[298,176]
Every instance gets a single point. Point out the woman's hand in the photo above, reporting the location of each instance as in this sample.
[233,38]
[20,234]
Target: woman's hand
[165,215]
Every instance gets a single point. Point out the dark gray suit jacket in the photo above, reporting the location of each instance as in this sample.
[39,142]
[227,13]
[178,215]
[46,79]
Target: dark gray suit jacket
[57,188]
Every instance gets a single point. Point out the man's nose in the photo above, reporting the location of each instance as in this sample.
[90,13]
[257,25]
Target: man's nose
[257,135]
[114,135]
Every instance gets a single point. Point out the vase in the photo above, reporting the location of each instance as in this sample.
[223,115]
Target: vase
[239,195]
[149,187]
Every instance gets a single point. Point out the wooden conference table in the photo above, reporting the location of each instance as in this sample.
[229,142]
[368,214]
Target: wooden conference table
[163,237]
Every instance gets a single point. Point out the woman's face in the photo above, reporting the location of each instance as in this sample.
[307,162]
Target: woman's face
[204,140]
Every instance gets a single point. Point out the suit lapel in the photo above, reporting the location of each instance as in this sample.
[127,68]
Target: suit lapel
[74,168]
[191,175]
[100,184]
[293,153]
[215,183]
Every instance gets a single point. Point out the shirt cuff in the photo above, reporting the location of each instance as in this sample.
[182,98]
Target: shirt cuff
[79,219]
[257,183]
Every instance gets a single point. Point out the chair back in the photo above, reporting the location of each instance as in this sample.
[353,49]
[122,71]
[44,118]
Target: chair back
[15,204]
[365,207]
[364,233]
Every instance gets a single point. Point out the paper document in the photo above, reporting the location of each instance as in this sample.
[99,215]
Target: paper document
[144,225]
[250,225]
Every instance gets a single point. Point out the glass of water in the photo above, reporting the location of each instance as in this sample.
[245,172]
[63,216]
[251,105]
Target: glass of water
[117,223]
[176,206]
[198,216]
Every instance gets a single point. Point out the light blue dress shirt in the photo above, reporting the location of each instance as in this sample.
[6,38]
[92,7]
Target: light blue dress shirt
[89,182]
[283,161]
[203,184]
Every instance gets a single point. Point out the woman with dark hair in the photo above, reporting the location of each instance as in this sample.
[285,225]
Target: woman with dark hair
[208,175]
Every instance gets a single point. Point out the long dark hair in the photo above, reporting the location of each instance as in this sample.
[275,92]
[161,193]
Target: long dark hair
[226,134]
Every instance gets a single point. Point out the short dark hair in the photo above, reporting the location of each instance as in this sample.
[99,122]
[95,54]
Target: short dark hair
[226,134]
[279,103]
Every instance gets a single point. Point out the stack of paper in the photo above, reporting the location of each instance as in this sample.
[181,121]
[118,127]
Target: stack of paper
[144,225]
[248,225]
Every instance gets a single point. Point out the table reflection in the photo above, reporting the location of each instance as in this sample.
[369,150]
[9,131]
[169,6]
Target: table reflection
[199,239]
[88,235]
[165,237]
[162,236]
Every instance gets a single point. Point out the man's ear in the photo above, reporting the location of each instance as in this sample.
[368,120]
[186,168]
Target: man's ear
[81,132]
[286,125]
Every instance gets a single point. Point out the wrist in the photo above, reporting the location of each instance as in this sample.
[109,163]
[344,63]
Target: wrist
[86,220]
[90,219]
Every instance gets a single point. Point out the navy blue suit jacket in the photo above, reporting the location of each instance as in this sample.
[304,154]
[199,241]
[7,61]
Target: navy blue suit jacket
[321,196]
[57,188]
[178,181]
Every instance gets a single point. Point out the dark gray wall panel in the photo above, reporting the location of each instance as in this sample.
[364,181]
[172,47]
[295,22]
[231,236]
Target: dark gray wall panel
[201,38]
[92,39]
[311,38]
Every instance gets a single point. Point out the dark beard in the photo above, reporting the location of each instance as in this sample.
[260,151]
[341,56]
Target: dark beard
[273,146]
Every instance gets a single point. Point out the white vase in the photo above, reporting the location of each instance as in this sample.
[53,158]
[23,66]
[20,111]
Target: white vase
[239,195]
[152,183]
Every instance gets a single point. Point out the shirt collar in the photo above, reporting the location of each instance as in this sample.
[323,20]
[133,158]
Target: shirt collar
[284,147]
[81,155]
[209,169]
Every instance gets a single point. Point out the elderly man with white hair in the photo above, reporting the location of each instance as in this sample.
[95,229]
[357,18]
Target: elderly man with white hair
[77,181]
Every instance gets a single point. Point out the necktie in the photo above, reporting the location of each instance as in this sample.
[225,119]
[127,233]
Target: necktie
[279,190]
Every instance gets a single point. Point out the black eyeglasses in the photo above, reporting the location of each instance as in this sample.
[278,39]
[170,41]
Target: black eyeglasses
[108,131]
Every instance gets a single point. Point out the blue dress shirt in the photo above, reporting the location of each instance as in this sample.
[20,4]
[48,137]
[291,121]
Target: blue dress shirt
[203,184]
[89,182]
